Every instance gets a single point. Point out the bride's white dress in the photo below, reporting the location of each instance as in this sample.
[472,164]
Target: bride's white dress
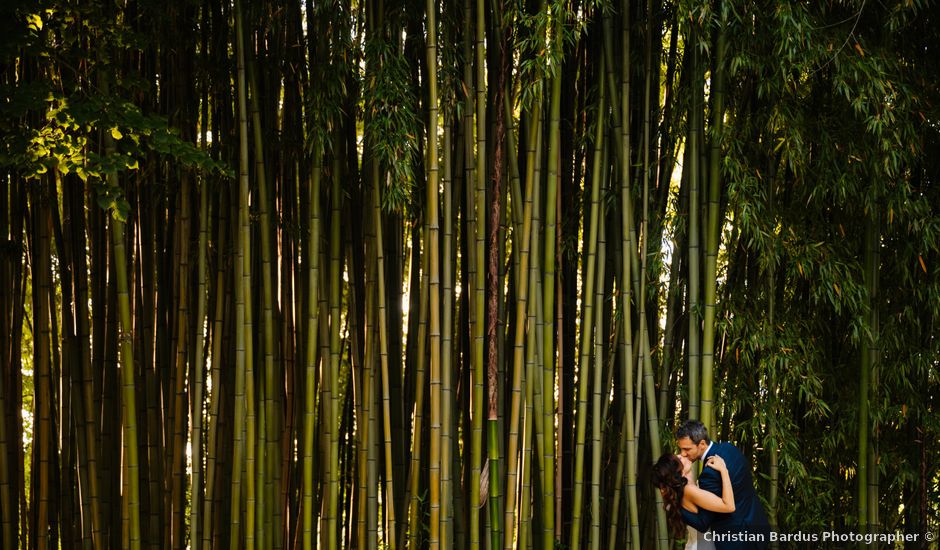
[696,541]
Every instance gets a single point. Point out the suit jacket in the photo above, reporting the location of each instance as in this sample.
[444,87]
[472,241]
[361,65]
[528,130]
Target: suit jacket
[748,523]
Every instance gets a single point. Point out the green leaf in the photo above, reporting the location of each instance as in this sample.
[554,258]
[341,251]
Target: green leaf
[116,134]
[34,21]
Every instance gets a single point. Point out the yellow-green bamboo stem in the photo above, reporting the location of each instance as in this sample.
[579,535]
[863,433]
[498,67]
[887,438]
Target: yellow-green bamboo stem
[268,514]
[526,456]
[447,338]
[212,452]
[42,382]
[712,234]
[242,299]
[692,156]
[548,293]
[414,471]
[128,395]
[628,267]
[313,322]
[198,372]
[389,501]
[178,441]
[519,349]
[335,304]
[597,444]
[433,217]
[477,281]
[587,322]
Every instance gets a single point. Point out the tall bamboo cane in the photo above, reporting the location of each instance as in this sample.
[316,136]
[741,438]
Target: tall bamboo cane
[313,324]
[447,337]
[712,232]
[551,531]
[433,217]
[196,409]
[477,280]
[597,444]
[242,305]
[335,351]
[389,501]
[267,444]
[587,324]
[692,154]
[519,365]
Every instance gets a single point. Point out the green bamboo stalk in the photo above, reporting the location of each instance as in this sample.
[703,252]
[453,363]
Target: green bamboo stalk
[519,365]
[242,302]
[526,456]
[8,486]
[495,250]
[587,324]
[391,527]
[87,386]
[313,321]
[713,231]
[598,435]
[363,376]
[868,358]
[335,351]
[268,460]
[628,267]
[198,372]
[447,336]
[177,443]
[551,531]
[128,395]
[414,472]
[648,377]
[6,490]
[692,156]
[223,297]
[433,220]
[468,279]
[477,281]
[43,387]
[534,371]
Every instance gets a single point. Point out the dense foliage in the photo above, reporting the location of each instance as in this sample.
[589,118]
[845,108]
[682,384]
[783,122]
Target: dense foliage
[387,273]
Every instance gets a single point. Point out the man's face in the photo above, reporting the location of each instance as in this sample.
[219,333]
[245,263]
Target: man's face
[691,451]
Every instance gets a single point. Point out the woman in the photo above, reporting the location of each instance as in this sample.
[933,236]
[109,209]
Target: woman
[673,476]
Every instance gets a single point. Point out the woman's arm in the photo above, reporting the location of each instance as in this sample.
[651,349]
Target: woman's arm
[710,501]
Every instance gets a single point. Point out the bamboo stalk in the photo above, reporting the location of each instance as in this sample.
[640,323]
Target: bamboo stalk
[335,305]
[389,501]
[414,472]
[477,280]
[587,324]
[447,337]
[519,365]
[627,269]
[692,154]
[432,212]
[712,232]
[268,431]
[598,366]
[313,323]
[198,372]
[242,304]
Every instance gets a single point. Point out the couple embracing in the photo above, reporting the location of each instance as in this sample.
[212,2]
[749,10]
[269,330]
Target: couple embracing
[722,511]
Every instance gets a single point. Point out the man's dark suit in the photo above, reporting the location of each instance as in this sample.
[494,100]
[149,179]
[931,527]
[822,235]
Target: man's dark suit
[748,516]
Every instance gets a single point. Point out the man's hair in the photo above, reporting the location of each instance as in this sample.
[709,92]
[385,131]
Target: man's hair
[694,430]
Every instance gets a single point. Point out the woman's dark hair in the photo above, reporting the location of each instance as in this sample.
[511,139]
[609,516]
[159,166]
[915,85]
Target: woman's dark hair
[667,475]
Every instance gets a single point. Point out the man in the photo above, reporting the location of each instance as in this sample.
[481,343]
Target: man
[747,526]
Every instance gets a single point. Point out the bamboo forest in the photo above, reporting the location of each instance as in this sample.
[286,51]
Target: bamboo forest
[409,274]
